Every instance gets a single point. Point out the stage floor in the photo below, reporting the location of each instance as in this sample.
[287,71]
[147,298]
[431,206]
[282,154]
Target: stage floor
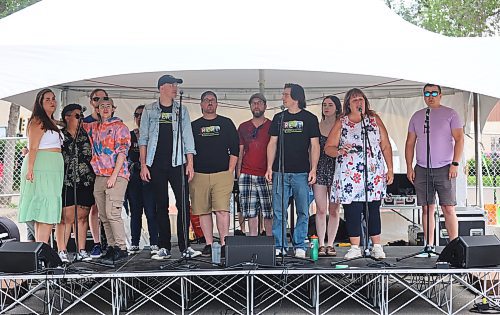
[141,285]
[142,262]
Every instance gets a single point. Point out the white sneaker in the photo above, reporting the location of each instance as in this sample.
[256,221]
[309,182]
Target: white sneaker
[353,252]
[300,253]
[64,256]
[154,249]
[163,253]
[83,255]
[378,251]
[190,252]
[134,249]
[279,253]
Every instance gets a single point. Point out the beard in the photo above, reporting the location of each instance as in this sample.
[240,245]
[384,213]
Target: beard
[258,114]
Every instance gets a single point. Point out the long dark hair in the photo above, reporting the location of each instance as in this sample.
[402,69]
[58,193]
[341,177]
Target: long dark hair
[297,94]
[40,114]
[347,100]
[338,106]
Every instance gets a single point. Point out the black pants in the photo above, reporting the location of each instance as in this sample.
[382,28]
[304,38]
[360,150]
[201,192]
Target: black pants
[353,213]
[160,177]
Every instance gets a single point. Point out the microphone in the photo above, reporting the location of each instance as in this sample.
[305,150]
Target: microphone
[360,109]
[84,109]
[427,112]
[181,92]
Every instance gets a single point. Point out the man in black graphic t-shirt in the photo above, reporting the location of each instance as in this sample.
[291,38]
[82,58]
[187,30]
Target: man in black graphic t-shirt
[217,146]
[297,168]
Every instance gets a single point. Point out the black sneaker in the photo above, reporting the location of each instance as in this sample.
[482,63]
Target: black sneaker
[207,251]
[109,254]
[119,254]
[223,251]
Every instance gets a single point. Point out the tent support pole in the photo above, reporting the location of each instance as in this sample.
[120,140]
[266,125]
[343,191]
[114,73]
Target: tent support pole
[262,81]
[478,152]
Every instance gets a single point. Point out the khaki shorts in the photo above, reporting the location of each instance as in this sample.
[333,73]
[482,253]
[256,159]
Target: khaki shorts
[211,192]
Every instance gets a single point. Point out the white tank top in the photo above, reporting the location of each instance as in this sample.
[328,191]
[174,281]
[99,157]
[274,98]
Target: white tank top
[50,140]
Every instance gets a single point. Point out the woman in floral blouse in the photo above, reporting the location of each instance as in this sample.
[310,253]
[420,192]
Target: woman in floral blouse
[346,142]
[76,168]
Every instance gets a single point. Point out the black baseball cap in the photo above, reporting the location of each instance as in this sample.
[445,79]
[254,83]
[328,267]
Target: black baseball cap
[69,108]
[167,78]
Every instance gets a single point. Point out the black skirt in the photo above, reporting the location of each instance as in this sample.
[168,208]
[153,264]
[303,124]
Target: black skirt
[84,195]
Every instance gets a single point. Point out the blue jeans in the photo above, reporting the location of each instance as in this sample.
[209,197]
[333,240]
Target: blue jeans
[141,197]
[294,184]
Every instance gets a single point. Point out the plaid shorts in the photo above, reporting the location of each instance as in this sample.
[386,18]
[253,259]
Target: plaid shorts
[255,196]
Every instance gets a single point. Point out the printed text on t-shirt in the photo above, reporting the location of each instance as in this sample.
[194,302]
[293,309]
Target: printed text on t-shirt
[210,131]
[293,126]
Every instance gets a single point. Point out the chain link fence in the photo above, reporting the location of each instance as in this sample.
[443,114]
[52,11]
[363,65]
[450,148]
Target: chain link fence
[490,155]
[11,158]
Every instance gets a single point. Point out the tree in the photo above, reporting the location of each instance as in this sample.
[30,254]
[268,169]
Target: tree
[451,17]
[10,6]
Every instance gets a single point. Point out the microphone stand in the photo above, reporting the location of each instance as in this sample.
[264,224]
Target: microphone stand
[185,255]
[428,249]
[75,167]
[366,213]
[281,168]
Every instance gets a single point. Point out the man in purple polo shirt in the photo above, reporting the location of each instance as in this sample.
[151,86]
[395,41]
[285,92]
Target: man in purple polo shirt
[446,139]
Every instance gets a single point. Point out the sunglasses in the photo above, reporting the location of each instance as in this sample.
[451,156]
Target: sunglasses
[433,93]
[255,132]
[77,116]
[96,98]
[137,115]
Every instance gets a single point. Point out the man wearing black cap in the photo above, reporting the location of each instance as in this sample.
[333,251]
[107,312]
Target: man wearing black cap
[163,149]
[255,190]
[216,141]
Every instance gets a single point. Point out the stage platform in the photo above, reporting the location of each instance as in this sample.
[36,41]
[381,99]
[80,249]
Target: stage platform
[139,284]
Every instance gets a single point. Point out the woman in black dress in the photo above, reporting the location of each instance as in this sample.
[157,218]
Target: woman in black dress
[330,110]
[76,168]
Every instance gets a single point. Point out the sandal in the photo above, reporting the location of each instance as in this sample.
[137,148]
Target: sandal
[330,251]
[322,251]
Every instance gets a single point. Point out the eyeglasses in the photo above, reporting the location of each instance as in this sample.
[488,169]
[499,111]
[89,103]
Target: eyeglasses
[137,115]
[97,98]
[107,106]
[209,100]
[433,93]
[257,103]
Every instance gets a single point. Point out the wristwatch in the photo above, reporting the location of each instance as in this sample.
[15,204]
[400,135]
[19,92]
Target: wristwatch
[454,163]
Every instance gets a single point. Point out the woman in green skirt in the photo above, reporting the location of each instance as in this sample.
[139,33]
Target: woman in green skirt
[43,169]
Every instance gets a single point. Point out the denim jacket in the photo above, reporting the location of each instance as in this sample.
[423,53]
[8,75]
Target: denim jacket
[150,128]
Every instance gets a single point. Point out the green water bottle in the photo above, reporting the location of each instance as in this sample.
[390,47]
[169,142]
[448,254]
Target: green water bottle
[314,247]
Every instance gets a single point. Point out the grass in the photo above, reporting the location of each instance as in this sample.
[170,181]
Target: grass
[488,181]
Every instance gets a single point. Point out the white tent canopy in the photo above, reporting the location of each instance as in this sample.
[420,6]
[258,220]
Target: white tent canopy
[58,41]
[326,46]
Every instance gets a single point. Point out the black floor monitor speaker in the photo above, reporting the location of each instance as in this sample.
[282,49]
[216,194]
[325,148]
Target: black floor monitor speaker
[8,226]
[472,252]
[16,257]
[250,249]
